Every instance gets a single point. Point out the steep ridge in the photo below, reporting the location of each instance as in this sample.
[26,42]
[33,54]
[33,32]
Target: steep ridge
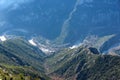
[82,64]
[18,57]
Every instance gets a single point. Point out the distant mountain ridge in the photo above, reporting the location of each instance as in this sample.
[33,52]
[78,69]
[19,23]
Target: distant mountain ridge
[80,19]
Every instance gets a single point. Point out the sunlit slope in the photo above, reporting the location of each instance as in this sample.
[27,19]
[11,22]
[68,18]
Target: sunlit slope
[20,59]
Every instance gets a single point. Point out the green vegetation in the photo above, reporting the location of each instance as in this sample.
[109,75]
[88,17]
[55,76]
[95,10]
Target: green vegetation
[20,52]
[17,57]
[82,64]
[5,75]
[21,61]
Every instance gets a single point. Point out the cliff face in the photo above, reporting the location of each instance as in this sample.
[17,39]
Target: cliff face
[95,17]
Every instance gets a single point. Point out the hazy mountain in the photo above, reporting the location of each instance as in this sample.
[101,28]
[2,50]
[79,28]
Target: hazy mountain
[60,39]
[59,21]
[41,17]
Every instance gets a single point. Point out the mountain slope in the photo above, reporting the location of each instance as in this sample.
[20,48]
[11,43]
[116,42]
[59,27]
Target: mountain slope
[23,50]
[94,17]
[60,41]
[83,64]
[17,56]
